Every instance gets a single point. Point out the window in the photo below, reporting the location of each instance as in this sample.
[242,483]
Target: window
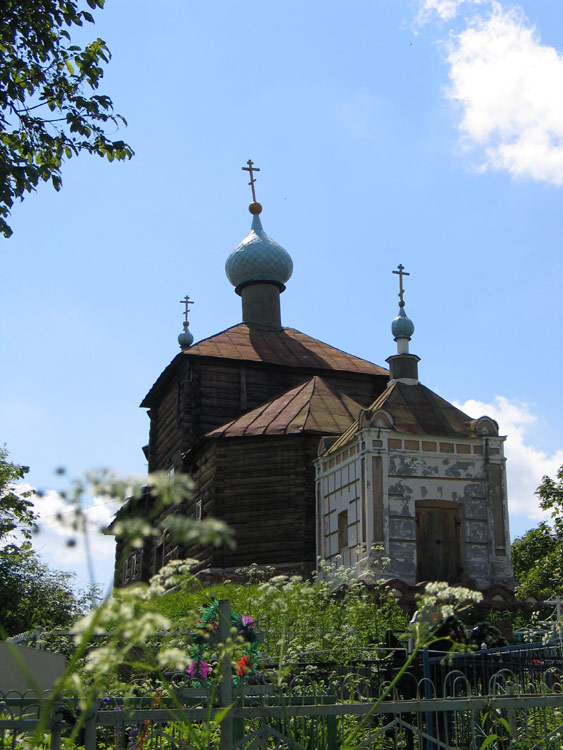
[447,448]
[125,571]
[342,531]
[429,446]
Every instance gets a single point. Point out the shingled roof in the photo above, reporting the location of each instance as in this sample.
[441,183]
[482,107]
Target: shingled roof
[285,347]
[313,406]
[417,410]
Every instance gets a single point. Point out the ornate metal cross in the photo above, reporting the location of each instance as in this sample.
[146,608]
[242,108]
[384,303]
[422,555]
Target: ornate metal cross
[186,302]
[400,273]
[251,169]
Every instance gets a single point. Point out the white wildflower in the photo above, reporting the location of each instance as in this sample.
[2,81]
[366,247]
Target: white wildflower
[101,660]
[174,658]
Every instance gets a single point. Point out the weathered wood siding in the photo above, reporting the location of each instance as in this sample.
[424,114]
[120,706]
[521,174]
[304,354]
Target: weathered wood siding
[265,493]
[264,490]
[209,392]
[263,487]
[167,427]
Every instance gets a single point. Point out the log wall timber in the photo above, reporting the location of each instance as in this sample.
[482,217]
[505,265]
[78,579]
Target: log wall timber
[166,435]
[262,486]
[264,490]
[207,392]
[133,564]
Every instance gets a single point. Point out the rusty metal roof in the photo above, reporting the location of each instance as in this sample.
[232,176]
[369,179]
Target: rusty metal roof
[313,406]
[286,346]
[416,410]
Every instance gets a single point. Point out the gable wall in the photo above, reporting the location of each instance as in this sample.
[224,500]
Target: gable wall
[264,490]
[206,393]
[388,474]
[264,487]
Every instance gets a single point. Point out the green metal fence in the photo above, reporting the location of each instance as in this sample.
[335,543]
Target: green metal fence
[436,708]
[301,722]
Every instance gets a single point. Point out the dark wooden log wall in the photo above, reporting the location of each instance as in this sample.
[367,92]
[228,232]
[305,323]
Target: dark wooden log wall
[262,487]
[207,393]
[265,493]
[165,437]
[264,490]
[202,502]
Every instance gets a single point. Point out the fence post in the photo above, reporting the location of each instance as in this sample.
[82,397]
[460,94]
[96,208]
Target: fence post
[427,695]
[331,729]
[90,728]
[56,726]
[511,714]
[226,680]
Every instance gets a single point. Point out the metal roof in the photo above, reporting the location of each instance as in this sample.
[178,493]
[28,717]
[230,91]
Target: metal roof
[416,410]
[284,347]
[313,406]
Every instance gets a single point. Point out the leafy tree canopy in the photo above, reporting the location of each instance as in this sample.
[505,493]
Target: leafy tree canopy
[33,595]
[538,555]
[16,507]
[48,111]
[550,493]
[30,593]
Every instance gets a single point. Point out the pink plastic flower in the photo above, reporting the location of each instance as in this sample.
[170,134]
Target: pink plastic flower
[199,668]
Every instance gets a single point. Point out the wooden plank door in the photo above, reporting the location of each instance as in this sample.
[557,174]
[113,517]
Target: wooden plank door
[438,551]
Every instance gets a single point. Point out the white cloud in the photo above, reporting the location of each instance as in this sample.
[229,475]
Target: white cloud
[446,10]
[526,465]
[508,86]
[55,524]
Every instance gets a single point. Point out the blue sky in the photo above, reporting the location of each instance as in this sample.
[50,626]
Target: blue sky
[428,133]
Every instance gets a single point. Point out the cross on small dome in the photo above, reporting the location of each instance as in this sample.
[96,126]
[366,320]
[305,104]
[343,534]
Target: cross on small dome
[258,257]
[402,326]
[185,337]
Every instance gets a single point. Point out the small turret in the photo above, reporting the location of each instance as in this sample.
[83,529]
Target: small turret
[403,367]
[185,338]
[402,329]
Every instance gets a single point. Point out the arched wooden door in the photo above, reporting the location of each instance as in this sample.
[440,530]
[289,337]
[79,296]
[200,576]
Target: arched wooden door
[438,548]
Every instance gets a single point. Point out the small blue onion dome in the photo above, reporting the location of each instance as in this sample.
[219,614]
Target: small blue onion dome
[185,339]
[402,327]
[258,258]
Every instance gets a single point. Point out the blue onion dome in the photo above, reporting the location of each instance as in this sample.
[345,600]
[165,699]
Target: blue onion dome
[402,327]
[258,258]
[185,339]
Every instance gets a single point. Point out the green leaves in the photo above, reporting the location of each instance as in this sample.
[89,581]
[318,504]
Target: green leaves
[537,556]
[46,112]
[489,741]
[550,493]
[16,507]
[32,594]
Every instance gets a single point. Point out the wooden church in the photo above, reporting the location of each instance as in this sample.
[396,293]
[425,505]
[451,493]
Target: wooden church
[305,450]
